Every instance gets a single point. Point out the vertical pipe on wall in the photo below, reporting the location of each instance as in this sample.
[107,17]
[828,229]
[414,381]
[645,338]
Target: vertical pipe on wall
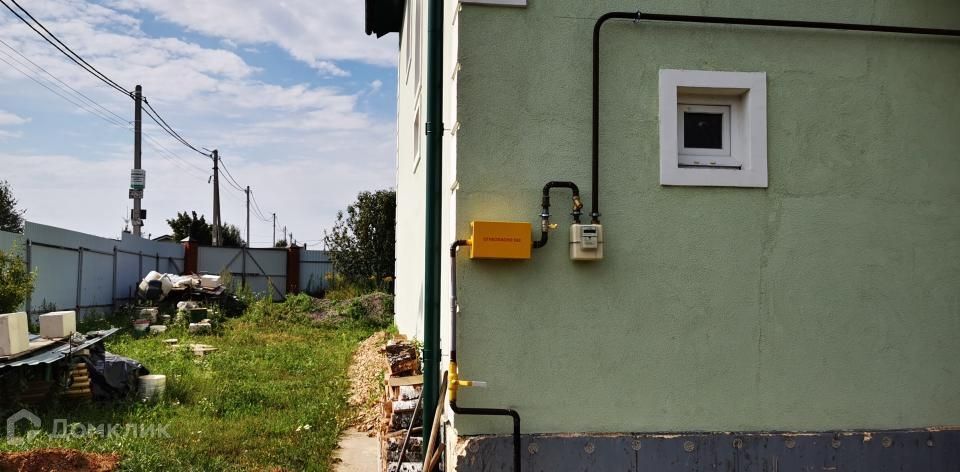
[434,131]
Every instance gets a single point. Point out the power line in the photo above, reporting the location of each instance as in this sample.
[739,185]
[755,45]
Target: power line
[73,56]
[232,181]
[81,94]
[155,116]
[61,95]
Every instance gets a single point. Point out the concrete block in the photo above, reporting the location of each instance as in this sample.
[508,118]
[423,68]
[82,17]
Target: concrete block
[58,324]
[200,328]
[150,314]
[14,333]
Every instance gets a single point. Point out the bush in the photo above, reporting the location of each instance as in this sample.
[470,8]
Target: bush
[16,282]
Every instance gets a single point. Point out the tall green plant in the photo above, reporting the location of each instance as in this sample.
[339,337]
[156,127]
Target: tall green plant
[16,281]
[362,242]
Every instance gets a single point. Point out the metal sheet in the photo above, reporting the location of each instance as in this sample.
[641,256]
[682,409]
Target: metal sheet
[50,356]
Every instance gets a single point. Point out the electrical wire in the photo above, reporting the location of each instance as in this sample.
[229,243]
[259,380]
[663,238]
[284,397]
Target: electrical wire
[230,180]
[73,56]
[59,94]
[64,93]
[155,116]
[64,84]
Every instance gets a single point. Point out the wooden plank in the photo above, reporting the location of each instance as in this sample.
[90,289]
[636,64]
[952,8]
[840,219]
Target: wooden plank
[409,380]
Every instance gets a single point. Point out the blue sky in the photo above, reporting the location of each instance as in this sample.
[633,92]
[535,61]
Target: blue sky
[299,101]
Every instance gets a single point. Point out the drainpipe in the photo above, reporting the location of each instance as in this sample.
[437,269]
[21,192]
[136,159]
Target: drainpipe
[434,129]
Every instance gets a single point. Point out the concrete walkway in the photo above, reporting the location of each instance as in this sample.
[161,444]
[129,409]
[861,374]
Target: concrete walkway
[358,452]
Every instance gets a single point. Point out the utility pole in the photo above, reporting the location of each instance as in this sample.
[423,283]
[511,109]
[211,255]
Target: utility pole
[274,230]
[137,122]
[285,238]
[216,198]
[247,243]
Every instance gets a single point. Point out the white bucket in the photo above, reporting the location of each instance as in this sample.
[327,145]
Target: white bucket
[152,386]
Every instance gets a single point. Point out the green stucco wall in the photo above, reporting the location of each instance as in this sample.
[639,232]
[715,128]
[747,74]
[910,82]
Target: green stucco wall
[830,300]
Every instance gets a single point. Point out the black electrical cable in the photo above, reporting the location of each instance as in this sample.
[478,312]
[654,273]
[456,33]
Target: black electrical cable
[155,116]
[64,84]
[76,58]
[640,16]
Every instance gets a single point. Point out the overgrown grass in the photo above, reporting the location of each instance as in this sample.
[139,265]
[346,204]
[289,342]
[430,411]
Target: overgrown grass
[272,398]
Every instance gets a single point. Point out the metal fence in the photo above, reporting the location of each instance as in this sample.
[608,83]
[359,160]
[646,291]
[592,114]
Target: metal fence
[78,271]
[315,271]
[263,270]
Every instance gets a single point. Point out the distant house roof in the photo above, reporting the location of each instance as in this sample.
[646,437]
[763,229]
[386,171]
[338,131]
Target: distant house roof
[384,16]
[165,237]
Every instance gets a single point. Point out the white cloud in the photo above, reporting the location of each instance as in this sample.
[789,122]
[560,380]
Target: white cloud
[307,150]
[8,119]
[310,31]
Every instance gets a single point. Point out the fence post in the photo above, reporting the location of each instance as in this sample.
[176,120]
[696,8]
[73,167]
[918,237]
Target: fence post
[158,263]
[293,269]
[113,290]
[79,275]
[191,257]
[29,256]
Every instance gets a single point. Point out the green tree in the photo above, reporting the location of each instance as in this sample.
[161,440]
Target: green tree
[199,230]
[363,240]
[281,243]
[188,225]
[16,282]
[11,219]
[230,236]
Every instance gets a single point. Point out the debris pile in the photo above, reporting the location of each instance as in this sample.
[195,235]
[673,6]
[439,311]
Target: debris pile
[366,382]
[170,289]
[403,417]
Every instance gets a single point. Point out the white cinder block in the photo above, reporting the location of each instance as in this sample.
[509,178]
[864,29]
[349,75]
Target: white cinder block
[14,333]
[58,324]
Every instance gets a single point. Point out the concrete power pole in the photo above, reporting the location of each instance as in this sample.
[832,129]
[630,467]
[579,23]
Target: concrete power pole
[137,124]
[216,199]
[247,243]
[274,230]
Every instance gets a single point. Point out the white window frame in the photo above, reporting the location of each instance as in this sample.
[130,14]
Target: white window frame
[743,163]
[691,156]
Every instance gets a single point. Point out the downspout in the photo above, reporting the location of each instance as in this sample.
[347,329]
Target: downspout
[434,131]
[640,16]
[453,375]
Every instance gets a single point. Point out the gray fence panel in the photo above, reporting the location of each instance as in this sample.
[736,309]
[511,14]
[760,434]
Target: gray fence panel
[97,281]
[56,276]
[263,266]
[315,270]
[7,241]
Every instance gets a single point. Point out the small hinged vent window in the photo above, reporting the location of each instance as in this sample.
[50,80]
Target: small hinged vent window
[713,128]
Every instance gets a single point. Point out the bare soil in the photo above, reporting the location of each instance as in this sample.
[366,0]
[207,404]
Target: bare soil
[57,460]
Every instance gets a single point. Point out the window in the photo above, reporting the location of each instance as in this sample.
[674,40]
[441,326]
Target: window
[713,128]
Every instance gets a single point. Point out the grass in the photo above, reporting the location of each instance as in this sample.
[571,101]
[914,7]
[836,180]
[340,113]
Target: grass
[272,398]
